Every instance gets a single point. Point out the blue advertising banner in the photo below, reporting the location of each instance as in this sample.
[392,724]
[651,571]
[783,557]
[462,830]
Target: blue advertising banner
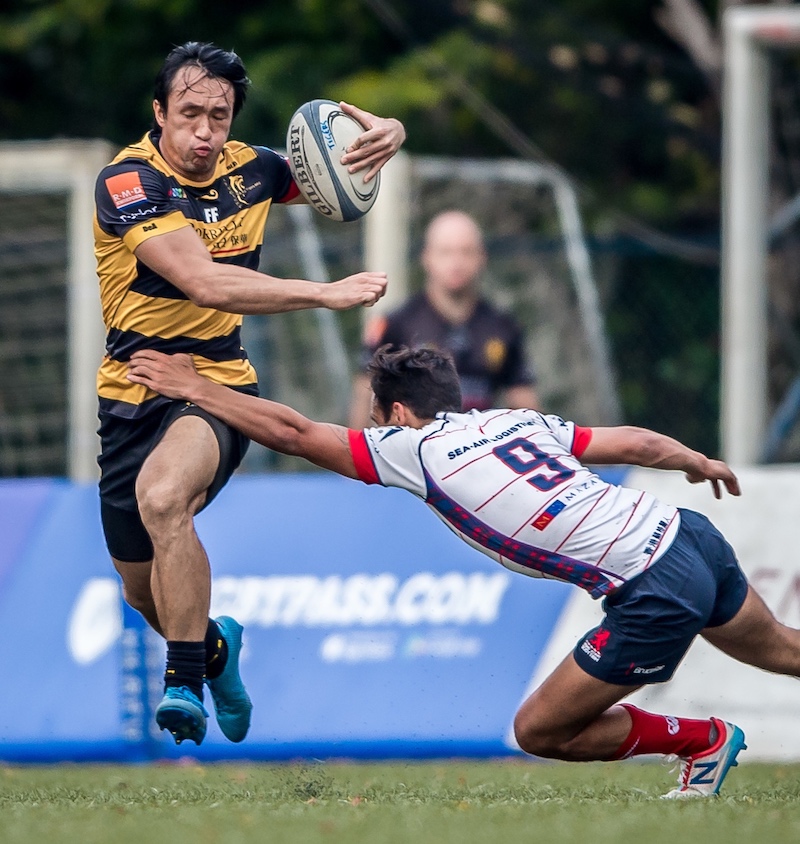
[371,630]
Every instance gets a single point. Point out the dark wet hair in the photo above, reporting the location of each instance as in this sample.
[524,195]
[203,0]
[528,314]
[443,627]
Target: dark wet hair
[424,380]
[214,61]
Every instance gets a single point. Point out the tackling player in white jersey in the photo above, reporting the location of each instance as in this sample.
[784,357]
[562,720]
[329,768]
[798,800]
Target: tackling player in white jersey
[510,483]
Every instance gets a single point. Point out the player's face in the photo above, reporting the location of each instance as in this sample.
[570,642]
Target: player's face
[196,123]
[454,256]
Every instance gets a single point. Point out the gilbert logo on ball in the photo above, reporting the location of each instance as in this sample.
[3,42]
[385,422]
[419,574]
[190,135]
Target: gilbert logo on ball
[318,136]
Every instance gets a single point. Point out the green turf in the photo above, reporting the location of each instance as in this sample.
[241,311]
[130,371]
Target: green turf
[438,802]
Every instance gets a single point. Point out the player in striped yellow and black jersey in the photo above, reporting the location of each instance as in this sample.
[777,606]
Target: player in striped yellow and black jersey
[140,196]
[178,231]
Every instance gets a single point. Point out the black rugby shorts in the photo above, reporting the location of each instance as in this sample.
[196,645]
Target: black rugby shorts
[125,445]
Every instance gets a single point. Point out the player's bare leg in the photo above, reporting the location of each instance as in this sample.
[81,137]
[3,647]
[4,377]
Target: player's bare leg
[576,717]
[170,489]
[137,591]
[754,636]
[572,716]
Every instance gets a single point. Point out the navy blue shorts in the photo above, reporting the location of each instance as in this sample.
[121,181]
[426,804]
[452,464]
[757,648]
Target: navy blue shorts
[651,620]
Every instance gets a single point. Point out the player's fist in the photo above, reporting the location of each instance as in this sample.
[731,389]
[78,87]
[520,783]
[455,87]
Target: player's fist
[359,289]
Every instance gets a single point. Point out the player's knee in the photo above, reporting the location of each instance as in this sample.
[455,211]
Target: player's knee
[160,505]
[138,596]
[535,739]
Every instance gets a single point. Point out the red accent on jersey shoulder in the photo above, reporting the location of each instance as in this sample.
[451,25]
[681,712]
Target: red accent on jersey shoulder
[292,193]
[365,468]
[581,440]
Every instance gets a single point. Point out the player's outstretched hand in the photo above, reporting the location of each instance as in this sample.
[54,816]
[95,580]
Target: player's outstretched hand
[358,289]
[715,471]
[170,375]
[381,140]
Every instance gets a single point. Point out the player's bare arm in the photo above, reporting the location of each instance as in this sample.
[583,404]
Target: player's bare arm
[267,422]
[180,257]
[642,447]
[382,139]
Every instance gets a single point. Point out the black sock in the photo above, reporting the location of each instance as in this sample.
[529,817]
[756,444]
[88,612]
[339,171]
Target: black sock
[186,665]
[216,650]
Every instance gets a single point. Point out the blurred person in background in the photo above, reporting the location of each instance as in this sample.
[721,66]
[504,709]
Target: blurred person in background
[179,224]
[450,314]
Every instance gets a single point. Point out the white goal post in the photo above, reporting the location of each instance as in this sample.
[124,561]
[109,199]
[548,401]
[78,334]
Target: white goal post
[749,33]
[70,167]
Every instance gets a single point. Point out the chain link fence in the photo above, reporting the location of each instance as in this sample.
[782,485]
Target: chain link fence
[33,334]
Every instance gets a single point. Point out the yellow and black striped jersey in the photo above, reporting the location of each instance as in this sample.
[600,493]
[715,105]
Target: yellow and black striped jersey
[139,196]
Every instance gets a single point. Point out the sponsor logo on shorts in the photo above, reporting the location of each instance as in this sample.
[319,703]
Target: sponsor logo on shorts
[653,670]
[126,189]
[593,647]
[673,725]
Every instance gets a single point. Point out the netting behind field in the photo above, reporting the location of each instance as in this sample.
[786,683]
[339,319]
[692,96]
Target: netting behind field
[33,330]
[783,268]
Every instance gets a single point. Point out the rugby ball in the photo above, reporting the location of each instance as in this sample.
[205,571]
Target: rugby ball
[318,136]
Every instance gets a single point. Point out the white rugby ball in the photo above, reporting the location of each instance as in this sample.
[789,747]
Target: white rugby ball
[318,136]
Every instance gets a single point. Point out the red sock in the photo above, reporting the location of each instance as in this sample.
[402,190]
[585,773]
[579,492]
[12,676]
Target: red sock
[651,733]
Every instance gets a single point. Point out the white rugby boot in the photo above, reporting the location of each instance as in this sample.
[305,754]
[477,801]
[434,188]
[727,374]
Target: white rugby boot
[702,774]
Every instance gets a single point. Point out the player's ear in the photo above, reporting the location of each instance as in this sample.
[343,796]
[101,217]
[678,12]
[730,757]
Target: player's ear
[158,111]
[399,414]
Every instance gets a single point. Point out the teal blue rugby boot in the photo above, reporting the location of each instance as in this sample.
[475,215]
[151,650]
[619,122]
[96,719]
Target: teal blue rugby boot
[231,702]
[182,713]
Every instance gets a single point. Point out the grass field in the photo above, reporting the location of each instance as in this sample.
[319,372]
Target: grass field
[441,802]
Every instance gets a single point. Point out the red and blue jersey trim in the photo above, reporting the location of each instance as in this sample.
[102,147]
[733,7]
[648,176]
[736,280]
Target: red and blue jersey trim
[591,578]
[362,457]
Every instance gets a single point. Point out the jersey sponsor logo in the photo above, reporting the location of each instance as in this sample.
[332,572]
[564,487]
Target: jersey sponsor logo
[457,452]
[652,543]
[549,514]
[211,215]
[177,193]
[137,214]
[126,189]
[673,725]
[239,190]
[494,353]
[228,235]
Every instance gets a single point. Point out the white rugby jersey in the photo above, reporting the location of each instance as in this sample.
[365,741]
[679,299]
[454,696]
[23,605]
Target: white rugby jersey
[509,482]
